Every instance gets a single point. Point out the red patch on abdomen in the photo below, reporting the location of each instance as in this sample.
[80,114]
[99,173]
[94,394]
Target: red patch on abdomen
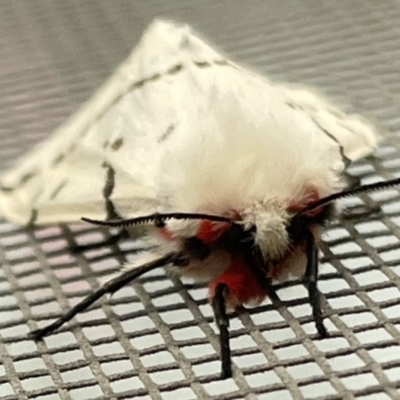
[243,285]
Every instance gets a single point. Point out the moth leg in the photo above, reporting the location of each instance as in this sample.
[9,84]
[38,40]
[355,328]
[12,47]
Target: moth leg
[108,288]
[112,240]
[311,279]
[222,320]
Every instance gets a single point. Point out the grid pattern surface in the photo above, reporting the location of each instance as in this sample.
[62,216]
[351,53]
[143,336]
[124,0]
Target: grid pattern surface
[155,339]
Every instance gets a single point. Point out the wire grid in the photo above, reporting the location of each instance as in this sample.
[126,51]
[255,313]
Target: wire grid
[155,339]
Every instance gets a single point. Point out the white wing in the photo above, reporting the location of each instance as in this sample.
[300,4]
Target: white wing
[107,151]
[179,127]
[355,135]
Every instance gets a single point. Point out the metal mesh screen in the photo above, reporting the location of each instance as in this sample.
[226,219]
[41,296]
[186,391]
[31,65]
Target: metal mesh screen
[155,339]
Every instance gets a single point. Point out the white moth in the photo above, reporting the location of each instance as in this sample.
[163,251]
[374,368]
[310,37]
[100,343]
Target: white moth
[179,128]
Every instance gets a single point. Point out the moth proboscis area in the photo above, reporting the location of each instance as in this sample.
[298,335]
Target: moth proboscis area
[230,176]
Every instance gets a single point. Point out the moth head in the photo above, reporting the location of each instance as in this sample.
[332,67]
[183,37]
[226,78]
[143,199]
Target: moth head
[268,221]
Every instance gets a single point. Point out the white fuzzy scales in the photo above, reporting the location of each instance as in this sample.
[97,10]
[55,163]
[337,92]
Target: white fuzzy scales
[179,127]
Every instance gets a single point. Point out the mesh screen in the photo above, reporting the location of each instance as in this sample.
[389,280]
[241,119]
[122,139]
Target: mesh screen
[155,339]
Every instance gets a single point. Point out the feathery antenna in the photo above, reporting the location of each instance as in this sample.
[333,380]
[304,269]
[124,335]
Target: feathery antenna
[350,192]
[158,219]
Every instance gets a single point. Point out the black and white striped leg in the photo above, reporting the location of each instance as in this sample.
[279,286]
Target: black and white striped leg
[108,288]
[219,307]
[311,279]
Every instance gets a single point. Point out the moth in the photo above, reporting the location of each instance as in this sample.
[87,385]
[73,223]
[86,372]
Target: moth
[230,177]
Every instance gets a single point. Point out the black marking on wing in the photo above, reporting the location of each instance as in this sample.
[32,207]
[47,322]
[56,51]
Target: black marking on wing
[298,106]
[58,189]
[153,78]
[59,159]
[345,159]
[144,81]
[207,64]
[6,189]
[156,77]
[74,145]
[137,85]
[27,177]
[116,145]
[111,212]
[166,134]
[202,64]
[185,43]
[33,218]
[293,105]
[175,69]
[324,130]
[24,179]
[222,62]
[344,126]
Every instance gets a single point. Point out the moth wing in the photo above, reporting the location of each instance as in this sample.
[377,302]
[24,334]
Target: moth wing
[178,127]
[79,188]
[356,136]
[102,161]
[246,139]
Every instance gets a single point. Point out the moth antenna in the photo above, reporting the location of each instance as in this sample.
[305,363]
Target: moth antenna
[157,218]
[350,192]
[109,287]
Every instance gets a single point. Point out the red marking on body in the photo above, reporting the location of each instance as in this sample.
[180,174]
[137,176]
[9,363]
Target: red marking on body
[211,232]
[166,234]
[243,285]
[312,196]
